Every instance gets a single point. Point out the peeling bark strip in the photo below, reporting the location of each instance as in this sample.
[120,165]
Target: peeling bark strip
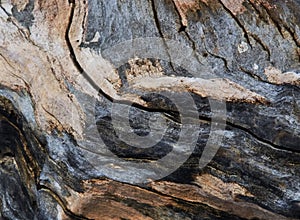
[277,77]
[65,65]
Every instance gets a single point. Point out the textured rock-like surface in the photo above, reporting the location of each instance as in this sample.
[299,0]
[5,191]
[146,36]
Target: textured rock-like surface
[84,82]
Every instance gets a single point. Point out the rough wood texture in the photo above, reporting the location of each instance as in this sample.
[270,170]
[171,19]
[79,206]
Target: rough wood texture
[96,94]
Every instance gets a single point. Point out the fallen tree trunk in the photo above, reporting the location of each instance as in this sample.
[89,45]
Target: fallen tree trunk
[178,109]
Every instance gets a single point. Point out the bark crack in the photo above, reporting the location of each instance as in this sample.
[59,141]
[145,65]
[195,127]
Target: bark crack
[247,34]
[88,78]
[182,29]
[285,26]
[288,29]
[182,26]
[256,10]
[68,41]
[253,75]
[4,10]
[273,21]
[73,55]
[262,140]
[251,133]
[262,44]
[158,26]
[149,109]
[83,25]
[238,23]
[293,35]
[216,56]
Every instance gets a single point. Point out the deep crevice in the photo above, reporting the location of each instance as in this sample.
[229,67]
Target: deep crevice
[293,34]
[216,56]
[278,27]
[182,29]
[90,80]
[251,74]
[260,42]
[159,29]
[73,56]
[262,140]
[70,47]
[165,112]
[83,25]
[273,20]
[256,10]
[182,26]
[294,37]
[4,10]
[238,22]
[255,37]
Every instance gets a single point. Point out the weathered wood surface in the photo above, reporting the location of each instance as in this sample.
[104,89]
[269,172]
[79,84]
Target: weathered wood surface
[96,94]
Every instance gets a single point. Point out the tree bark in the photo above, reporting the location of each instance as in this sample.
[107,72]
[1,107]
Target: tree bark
[158,109]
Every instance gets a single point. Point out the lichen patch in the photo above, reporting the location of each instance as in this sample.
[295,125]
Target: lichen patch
[142,68]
